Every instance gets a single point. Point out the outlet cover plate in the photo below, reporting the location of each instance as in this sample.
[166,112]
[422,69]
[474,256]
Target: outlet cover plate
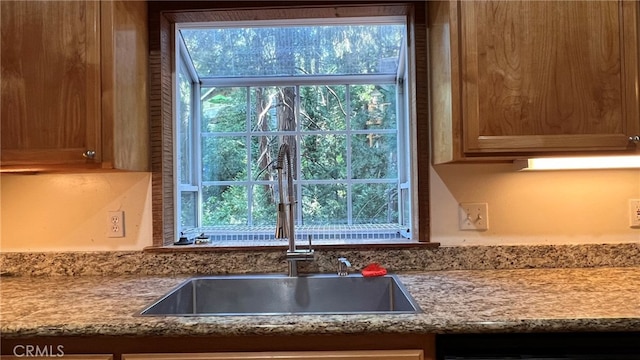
[473,216]
[634,213]
[115,224]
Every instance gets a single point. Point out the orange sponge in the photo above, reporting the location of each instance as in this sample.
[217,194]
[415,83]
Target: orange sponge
[374,269]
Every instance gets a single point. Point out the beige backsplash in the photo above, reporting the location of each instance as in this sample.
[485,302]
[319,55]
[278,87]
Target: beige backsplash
[59,213]
[529,208]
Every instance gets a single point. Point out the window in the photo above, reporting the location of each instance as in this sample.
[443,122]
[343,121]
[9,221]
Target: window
[338,90]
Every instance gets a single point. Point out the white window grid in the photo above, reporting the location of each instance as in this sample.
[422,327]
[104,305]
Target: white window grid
[341,232]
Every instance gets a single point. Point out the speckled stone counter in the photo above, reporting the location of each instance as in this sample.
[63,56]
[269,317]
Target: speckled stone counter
[461,301]
[219,261]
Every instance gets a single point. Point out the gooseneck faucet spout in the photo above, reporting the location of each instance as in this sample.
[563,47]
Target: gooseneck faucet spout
[286,212]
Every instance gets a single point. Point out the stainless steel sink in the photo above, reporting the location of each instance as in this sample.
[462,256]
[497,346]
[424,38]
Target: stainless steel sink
[279,294]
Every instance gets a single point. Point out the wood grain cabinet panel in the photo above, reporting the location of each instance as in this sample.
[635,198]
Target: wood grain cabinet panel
[30,353]
[50,81]
[363,346]
[288,355]
[532,77]
[74,93]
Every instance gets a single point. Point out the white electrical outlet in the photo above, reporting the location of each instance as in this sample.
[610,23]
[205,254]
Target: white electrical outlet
[634,213]
[115,224]
[473,216]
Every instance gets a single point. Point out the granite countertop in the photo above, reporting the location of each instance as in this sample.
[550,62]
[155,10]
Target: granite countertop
[460,301]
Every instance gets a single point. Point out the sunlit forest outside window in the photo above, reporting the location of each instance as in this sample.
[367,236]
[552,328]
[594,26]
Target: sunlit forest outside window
[333,92]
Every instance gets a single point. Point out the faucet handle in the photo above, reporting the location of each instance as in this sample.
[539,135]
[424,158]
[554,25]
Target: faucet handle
[343,266]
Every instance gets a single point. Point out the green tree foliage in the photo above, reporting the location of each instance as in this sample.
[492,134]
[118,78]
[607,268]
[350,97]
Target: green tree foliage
[237,123]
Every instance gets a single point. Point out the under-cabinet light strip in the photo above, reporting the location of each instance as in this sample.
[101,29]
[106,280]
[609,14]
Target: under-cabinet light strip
[579,163]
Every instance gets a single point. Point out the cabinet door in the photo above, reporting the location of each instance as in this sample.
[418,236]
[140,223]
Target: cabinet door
[47,352]
[50,82]
[548,76]
[288,355]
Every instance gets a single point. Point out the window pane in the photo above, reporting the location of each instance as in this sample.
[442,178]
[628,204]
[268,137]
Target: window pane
[323,108]
[273,108]
[188,209]
[295,50]
[374,156]
[224,109]
[373,107]
[375,204]
[224,205]
[185,124]
[264,153]
[264,205]
[275,91]
[324,157]
[324,204]
[224,158]
[405,206]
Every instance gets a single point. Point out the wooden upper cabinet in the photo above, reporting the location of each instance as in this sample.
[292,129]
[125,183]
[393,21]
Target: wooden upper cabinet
[513,78]
[73,81]
[50,81]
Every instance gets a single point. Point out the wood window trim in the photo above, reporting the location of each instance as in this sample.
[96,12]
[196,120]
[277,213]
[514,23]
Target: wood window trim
[162,18]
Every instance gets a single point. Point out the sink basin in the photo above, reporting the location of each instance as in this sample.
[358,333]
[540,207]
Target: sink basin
[279,294]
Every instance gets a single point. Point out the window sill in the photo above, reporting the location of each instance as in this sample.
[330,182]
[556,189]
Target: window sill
[281,245]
